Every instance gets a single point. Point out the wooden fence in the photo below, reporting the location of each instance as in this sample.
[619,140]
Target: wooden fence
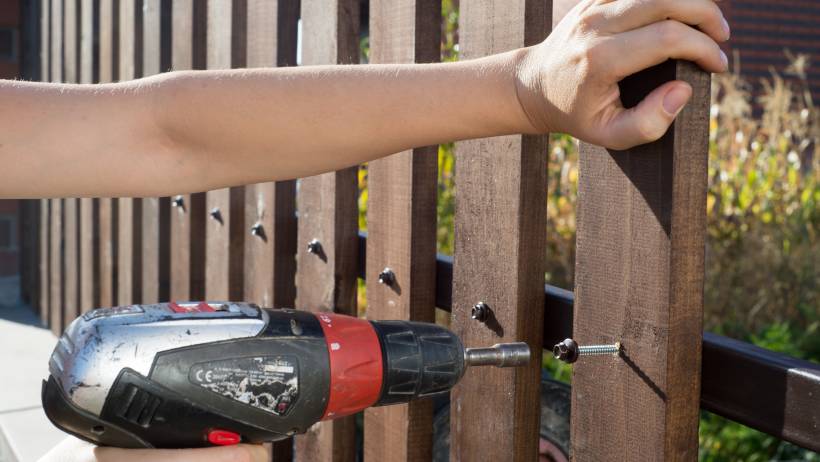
[641,226]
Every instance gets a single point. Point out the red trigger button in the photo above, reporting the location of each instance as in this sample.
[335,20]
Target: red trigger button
[223,437]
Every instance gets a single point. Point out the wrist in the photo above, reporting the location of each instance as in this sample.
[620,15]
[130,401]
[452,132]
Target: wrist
[529,91]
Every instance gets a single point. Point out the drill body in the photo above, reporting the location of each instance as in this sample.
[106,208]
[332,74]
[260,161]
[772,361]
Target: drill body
[174,375]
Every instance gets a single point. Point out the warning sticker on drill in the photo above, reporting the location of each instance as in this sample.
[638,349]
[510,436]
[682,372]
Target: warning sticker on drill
[269,383]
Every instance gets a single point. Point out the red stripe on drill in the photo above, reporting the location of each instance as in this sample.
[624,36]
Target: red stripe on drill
[355,364]
[201,307]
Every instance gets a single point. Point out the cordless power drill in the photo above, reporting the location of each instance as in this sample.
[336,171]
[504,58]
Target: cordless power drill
[175,375]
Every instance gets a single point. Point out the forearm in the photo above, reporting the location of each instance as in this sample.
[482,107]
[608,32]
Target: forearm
[248,126]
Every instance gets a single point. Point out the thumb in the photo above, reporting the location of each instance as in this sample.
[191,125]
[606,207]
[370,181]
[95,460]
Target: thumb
[650,119]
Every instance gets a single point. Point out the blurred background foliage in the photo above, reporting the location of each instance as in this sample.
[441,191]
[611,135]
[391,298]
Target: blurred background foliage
[762,250]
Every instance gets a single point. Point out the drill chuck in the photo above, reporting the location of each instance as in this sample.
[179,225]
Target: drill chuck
[196,374]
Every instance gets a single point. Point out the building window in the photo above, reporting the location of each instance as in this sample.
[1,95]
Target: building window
[8,44]
[8,233]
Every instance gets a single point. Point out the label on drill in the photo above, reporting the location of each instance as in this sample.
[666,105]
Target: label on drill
[268,383]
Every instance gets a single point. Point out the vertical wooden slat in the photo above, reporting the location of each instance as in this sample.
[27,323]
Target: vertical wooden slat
[44,273]
[500,247]
[270,208]
[155,211]
[187,242]
[89,208]
[57,257]
[639,280]
[108,71]
[225,230]
[270,263]
[401,228]
[71,236]
[326,281]
[129,224]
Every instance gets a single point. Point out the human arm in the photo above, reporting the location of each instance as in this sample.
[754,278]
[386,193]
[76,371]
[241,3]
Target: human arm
[74,450]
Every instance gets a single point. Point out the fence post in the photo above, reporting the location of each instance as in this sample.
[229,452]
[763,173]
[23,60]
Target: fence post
[57,256]
[107,213]
[401,227]
[639,280]
[500,249]
[44,235]
[156,43]
[71,232]
[89,208]
[129,225]
[270,208]
[187,241]
[326,279]
[224,230]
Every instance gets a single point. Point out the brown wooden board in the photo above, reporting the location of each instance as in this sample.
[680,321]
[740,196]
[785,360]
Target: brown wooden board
[187,215]
[401,222]
[639,281]
[500,249]
[326,281]
[71,276]
[89,226]
[156,42]
[225,229]
[129,224]
[55,316]
[107,208]
[44,235]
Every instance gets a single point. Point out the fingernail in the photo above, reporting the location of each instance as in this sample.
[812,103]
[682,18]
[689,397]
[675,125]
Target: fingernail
[725,59]
[674,101]
[726,28]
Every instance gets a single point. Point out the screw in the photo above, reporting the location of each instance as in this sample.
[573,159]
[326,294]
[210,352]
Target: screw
[216,214]
[314,247]
[258,230]
[178,201]
[387,277]
[480,312]
[569,351]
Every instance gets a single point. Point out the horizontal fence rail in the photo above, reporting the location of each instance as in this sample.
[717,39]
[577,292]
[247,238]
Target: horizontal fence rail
[768,391]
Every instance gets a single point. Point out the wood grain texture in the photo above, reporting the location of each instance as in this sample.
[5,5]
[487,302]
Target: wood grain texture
[328,212]
[187,221]
[225,230]
[89,225]
[71,242]
[55,316]
[500,247]
[639,280]
[156,43]
[107,208]
[401,226]
[270,253]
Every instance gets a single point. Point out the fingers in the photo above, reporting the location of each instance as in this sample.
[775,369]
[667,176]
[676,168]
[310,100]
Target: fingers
[653,44]
[625,15]
[649,120]
[237,453]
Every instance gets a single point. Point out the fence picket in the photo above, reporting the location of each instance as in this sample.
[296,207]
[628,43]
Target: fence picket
[44,234]
[500,229]
[639,280]
[401,228]
[56,232]
[326,280]
[224,230]
[187,217]
[89,273]
[107,207]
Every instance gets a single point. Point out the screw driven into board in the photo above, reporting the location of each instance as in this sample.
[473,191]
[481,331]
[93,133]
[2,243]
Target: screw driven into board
[258,230]
[387,277]
[216,215]
[569,351]
[480,312]
[314,247]
[178,201]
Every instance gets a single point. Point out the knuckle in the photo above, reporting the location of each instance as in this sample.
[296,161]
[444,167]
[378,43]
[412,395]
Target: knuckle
[670,33]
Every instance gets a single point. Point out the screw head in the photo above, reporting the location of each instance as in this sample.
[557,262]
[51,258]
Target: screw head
[216,214]
[314,247]
[480,312]
[566,351]
[258,230]
[387,277]
[178,201]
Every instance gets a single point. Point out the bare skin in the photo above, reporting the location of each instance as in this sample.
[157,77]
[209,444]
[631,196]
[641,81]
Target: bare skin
[195,131]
